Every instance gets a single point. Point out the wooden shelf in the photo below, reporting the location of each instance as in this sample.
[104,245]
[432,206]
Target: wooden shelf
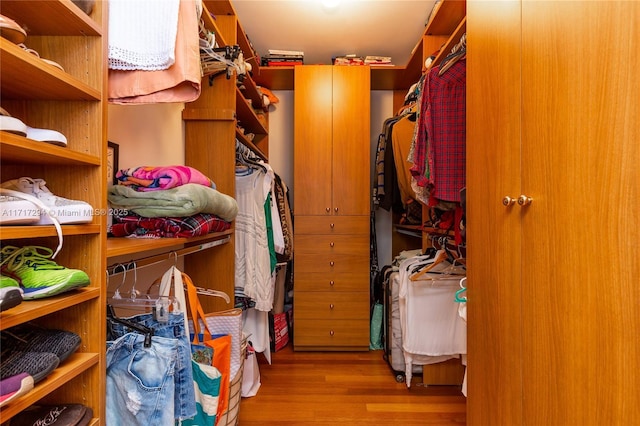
[33,309]
[18,149]
[73,366]
[247,116]
[139,247]
[25,76]
[49,17]
[38,231]
[274,78]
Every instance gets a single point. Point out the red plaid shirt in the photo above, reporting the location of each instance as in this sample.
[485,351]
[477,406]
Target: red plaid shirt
[440,150]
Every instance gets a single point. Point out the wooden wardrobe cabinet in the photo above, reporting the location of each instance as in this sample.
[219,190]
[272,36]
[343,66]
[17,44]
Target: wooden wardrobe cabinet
[552,116]
[331,207]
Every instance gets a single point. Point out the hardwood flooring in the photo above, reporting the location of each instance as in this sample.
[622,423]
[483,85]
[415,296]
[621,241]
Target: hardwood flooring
[345,388]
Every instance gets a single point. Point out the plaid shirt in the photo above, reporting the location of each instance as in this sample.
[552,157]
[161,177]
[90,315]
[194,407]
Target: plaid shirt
[167,227]
[440,151]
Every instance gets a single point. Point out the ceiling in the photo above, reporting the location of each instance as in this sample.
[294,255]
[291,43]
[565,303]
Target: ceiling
[362,27]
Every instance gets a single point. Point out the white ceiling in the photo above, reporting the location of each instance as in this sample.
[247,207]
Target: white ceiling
[362,27]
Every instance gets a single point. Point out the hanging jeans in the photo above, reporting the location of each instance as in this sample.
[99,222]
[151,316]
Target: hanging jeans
[184,396]
[141,381]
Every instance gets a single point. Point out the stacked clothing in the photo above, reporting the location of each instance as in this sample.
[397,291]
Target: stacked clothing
[168,202]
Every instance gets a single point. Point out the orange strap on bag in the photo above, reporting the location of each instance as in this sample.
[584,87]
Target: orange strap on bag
[221,345]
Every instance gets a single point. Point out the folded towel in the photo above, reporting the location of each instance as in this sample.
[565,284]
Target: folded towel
[147,178]
[184,200]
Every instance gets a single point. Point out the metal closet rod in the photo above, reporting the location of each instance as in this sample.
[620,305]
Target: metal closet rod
[121,267]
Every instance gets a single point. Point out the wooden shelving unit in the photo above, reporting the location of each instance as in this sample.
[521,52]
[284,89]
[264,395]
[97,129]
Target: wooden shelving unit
[73,102]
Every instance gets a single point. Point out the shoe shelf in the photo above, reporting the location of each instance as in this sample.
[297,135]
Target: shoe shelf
[74,103]
[51,17]
[25,76]
[32,231]
[18,149]
[34,309]
[63,375]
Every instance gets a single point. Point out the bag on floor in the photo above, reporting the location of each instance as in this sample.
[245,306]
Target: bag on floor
[251,375]
[206,379]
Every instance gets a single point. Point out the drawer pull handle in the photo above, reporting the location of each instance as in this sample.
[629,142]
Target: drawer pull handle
[331,333]
[331,244]
[332,225]
[331,305]
[332,263]
[328,209]
[336,210]
[332,282]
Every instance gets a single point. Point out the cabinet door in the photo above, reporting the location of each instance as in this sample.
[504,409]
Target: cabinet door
[312,140]
[552,300]
[351,144]
[580,152]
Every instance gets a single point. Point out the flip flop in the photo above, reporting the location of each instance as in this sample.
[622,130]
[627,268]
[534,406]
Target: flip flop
[10,30]
[51,415]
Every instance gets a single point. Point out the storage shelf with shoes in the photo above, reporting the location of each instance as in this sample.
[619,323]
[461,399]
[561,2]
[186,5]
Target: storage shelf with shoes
[69,105]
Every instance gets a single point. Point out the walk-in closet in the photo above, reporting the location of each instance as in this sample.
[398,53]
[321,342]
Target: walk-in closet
[346,212]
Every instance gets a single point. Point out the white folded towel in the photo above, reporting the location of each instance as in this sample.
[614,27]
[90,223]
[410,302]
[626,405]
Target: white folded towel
[142,34]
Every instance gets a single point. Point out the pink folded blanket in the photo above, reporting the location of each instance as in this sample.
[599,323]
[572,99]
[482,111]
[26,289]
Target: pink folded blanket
[145,178]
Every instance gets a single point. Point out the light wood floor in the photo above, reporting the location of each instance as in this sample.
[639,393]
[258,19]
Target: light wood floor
[352,388]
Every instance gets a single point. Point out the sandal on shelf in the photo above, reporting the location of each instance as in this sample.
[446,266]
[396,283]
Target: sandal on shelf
[10,30]
[48,61]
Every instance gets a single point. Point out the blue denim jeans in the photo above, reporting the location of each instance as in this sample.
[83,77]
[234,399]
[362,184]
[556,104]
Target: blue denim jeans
[140,381]
[184,397]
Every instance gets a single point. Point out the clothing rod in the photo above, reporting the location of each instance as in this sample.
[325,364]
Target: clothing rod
[152,260]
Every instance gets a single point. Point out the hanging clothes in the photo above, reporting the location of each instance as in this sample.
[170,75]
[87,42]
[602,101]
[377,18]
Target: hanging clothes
[179,83]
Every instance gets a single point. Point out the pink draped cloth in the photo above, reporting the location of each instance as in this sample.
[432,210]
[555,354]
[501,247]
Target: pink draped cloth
[147,178]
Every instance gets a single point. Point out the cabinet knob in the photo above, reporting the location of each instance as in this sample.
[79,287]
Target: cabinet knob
[331,333]
[332,282]
[331,244]
[523,200]
[335,209]
[331,305]
[332,225]
[328,209]
[507,201]
[332,263]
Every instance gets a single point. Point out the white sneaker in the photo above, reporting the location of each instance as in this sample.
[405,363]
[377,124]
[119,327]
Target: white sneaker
[65,210]
[16,211]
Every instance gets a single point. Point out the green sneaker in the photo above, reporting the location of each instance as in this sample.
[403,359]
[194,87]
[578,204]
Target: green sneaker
[10,293]
[38,275]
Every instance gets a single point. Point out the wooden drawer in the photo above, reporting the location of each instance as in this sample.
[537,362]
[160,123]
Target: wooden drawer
[331,281]
[334,244]
[323,225]
[330,263]
[331,305]
[331,334]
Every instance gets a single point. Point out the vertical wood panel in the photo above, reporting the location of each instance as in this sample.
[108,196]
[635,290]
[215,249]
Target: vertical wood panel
[493,233]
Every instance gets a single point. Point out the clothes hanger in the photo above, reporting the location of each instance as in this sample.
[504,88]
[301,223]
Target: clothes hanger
[134,301]
[441,256]
[462,290]
[142,329]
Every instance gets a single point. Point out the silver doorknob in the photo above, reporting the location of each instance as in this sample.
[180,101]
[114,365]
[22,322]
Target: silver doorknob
[523,200]
[507,201]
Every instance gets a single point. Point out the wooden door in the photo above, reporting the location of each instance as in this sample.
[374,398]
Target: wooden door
[580,237]
[493,233]
[552,284]
[312,151]
[351,144]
